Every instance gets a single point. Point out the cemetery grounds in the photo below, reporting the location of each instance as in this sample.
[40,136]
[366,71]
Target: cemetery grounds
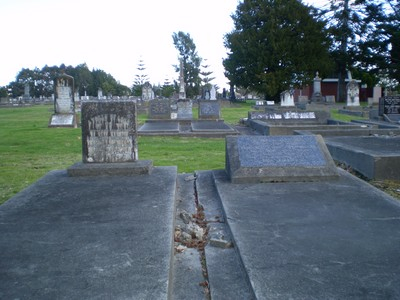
[29,148]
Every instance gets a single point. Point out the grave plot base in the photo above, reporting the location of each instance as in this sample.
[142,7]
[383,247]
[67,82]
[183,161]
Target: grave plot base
[140,167]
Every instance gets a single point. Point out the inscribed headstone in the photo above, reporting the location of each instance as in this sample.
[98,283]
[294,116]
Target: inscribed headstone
[184,109]
[353,92]
[159,109]
[109,133]
[64,102]
[287,98]
[253,159]
[64,94]
[213,93]
[389,105]
[209,110]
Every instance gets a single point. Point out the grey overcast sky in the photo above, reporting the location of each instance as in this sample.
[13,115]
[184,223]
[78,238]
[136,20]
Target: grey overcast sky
[113,35]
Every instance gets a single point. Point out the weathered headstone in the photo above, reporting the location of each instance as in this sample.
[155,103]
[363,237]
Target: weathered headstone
[287,98]
[317,94]
[213,93]
[353,93]
[147,92]
[64,102]
[209,110]
[99,94]
[389,106]
[109,140]
[27,95]
[184,109]
[159,109]
[330,99]
[109,132]
[253,159]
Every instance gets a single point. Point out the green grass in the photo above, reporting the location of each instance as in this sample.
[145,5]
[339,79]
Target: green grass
[342,117]
[29,148]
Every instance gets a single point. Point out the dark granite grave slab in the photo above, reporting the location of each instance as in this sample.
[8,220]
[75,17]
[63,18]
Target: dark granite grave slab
[278,158]
[209,109]
[375,157]
[109,133]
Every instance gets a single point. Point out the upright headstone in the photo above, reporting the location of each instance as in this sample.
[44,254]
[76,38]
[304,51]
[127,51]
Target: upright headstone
[317,94]
[100,94]
[389,107]
[287,98]
[184,106]
[64,102]
[376,94]
[184,109]
[253,159]
[353,93]
[213,93]
[209,110]
[109,133]
[159,110]
[147,92]
[27,95]
[109,140]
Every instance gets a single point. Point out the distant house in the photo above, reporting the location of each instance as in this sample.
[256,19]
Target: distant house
[329,87]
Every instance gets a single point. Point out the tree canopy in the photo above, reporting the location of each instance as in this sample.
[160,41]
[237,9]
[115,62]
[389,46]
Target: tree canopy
[275,44]
[86,82]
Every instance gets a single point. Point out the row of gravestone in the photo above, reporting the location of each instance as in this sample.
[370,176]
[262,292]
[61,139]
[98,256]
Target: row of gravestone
[109,140]
[182,109]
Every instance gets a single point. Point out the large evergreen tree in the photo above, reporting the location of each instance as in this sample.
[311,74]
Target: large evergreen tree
[275,44]
[191,62]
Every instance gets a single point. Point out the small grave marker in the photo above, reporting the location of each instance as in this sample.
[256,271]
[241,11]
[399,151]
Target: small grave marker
[253,159]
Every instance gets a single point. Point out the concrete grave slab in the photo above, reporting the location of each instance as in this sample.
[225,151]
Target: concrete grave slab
[159,127]
[278,158]
[89,237]
[375,157]
[315,240]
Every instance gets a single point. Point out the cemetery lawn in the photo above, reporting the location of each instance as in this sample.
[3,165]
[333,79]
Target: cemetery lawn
[29,148]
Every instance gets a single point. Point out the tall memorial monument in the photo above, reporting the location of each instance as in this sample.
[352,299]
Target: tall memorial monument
[184,105]
[64,103]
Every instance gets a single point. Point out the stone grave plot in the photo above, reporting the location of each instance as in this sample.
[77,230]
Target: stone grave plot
[253,159]
[109,140]
[375,157]
[64,103]
[287,122]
